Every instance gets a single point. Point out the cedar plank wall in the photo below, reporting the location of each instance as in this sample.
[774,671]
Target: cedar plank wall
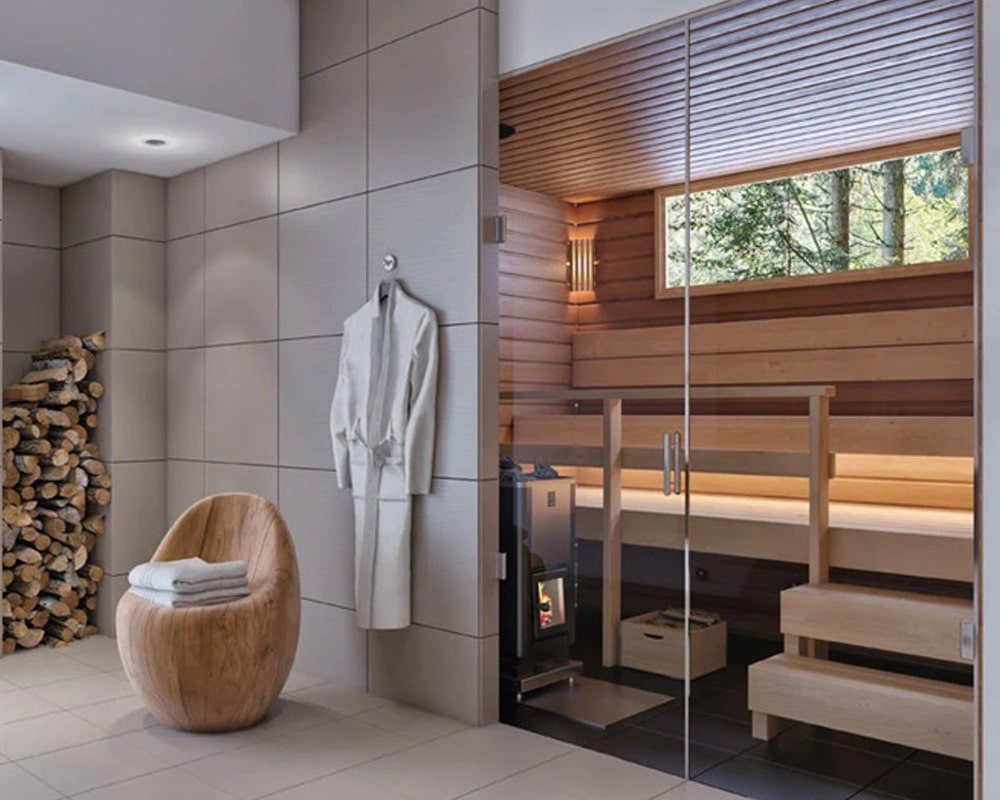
[624,298]
[536,317]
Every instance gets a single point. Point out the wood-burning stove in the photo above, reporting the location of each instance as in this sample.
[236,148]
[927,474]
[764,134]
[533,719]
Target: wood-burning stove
[538,596]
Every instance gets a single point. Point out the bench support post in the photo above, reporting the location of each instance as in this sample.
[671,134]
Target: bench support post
[819,504]
[612,529]
[767,726]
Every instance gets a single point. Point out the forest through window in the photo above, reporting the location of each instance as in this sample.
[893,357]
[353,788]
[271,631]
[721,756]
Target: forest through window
[911,210]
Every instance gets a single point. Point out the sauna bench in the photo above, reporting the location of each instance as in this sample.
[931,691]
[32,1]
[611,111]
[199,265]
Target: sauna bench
[897,540]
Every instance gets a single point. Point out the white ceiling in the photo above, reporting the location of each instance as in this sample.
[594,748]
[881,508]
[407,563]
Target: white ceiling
[56,130]
[81,84]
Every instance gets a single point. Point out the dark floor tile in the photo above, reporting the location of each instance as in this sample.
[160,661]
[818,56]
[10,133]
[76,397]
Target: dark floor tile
[867,795]
[911,781]
[957,765]
[765,781]
[843,764]
[718,732]
[657,751]
[552,725]
[729,703]
[896,752]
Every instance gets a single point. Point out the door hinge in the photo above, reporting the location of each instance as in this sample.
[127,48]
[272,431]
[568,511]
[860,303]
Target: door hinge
[970,146]
[496,229]
[969,641]
[500,566]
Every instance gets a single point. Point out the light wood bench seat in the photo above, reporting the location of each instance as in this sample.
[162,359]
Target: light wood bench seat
[896,540]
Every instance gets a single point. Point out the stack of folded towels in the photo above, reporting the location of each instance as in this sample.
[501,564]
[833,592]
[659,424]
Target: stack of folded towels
[190,582]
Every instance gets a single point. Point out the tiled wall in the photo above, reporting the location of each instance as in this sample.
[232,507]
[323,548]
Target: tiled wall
[270,251]
[113,228]
[31,277]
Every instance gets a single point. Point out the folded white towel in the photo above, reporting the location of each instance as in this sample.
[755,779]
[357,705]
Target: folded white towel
[186,575]
[190,599]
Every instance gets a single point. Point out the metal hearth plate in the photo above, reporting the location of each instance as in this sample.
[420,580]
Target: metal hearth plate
[595,703]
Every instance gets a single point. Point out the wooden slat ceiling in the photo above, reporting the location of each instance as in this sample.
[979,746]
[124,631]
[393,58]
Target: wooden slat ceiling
[772,82]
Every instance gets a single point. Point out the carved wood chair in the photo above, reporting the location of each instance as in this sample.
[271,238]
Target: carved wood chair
[221,667]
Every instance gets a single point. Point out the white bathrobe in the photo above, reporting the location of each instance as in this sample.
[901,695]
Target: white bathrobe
[382,425]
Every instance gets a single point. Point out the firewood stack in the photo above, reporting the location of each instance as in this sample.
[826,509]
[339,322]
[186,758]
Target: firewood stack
[55,487]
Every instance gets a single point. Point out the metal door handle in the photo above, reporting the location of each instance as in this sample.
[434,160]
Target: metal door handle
[677,462]
[666,464]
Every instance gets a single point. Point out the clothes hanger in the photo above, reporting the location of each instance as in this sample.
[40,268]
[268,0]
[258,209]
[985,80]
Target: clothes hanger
[390,264]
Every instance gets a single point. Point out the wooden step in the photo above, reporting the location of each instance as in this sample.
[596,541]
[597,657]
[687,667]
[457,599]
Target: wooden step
[914,712]
[897,622]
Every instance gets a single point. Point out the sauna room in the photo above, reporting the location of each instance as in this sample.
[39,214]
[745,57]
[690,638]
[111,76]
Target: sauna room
[737,358]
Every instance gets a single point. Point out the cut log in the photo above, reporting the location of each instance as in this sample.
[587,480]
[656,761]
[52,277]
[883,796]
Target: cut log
[95,342]
[25,393]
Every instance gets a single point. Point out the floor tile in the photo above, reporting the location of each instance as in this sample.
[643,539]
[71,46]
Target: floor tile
[305,755]
[346,702]
[291,714]
[22,704]
[124,715]
[552,725]
[582,775]
[99,652]
[844,764]
[89,766]
[32,737]
[411,722]
[827,735]
[460,763]
[178,747]
[22,785]
[957,765]
[340,786]
[765,781]
[718,732]
[657,751]
[728,703]
[6,686]
[85,690]
[169,784]
[696,791]
[37,667]
[911,781]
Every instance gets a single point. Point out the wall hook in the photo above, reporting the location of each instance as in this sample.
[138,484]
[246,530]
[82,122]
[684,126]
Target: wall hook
[389,262]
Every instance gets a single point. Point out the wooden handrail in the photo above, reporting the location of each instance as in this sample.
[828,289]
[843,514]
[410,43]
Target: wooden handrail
[677,393]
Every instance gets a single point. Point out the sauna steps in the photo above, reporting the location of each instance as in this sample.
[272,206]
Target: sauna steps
[916,712]
[913,712]
[878,619]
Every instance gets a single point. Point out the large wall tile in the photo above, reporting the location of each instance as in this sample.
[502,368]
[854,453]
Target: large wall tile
[14,366]
[432,226]
[427,668]
[489,400]
[424,103]
[85,288]
[186,204]
[331,645]
[31,296]
[456,454]
[321,272]
[445,547]
[111,591]
[85,212]
[138,206]
[489,680]
[186,292]
[393,19]
[242,188]
[241,404]
[321,519]
[307,377]
[489,91]
[135,406]
[185,486]
[137,517]
[489,253]
[138,294]
[31,214]
[186,404]
[326,160]
[489,544]
[222,478]
[241,283]
[332,31]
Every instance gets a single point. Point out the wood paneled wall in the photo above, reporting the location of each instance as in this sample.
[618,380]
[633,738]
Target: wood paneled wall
[536,317]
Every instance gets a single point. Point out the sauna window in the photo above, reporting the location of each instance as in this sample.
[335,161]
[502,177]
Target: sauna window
[904,211]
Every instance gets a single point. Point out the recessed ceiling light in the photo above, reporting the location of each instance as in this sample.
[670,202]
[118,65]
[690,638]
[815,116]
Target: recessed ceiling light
[154,142]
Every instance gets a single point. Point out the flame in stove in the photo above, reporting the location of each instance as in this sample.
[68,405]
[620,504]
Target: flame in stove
[546,612]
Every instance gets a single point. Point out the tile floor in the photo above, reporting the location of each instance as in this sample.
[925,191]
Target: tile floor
[70,726]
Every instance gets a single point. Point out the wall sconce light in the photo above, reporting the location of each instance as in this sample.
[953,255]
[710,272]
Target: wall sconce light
[581,265]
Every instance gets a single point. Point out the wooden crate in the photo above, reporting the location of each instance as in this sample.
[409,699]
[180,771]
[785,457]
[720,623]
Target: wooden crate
[659,649]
